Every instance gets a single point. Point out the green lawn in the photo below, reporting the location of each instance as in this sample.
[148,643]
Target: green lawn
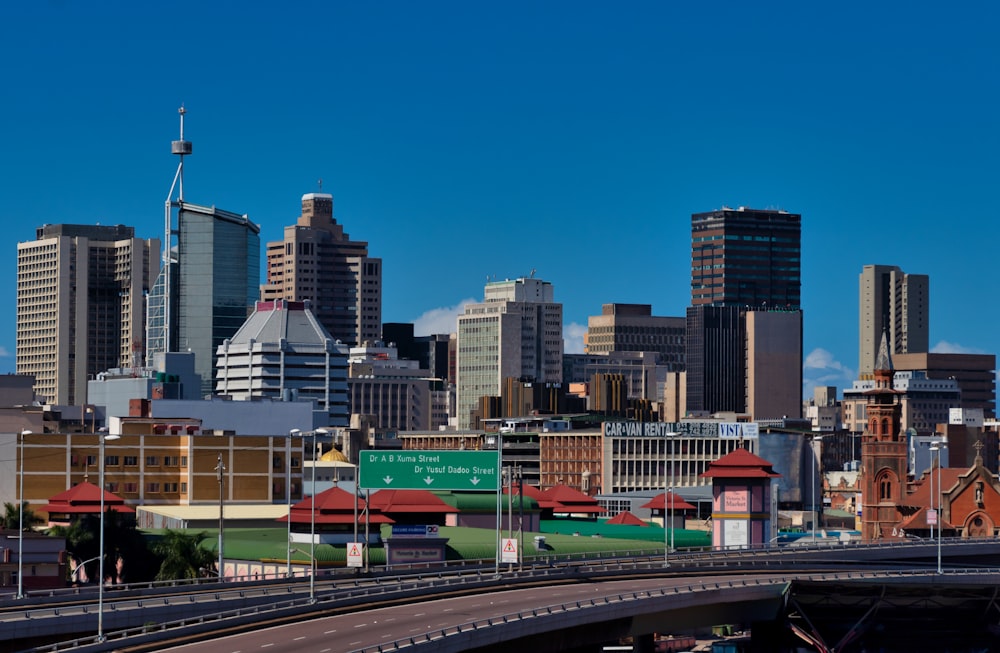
[562,537]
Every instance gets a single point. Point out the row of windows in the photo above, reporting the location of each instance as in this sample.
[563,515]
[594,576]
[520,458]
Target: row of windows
[133,461]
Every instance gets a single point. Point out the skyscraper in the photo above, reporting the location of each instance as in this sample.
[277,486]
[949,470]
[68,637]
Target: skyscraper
[515,333]
[894,303]
[744,325]
[80,305]
[746,257]
[210,286]
[318,262]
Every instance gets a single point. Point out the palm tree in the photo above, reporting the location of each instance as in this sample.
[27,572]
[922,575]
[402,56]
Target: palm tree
[12,516]
[183,555]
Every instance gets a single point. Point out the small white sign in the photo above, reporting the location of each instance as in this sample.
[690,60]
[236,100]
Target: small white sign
[355,554]
[508,550]
[932,517]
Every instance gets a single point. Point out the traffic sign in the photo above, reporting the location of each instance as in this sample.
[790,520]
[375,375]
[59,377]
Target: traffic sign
[355,553]
[429,470]
[508,552]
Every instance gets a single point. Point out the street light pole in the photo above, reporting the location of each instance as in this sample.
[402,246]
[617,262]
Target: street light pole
[668,544]
[100,562]
[20,517]
[816,472]
[937,446]
[312,520]
[288,496]
[220,468]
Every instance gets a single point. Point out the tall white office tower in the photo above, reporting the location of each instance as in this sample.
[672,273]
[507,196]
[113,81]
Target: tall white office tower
[516,332]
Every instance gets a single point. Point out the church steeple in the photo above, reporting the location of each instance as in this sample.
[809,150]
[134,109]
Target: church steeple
[883,452]
[883,361]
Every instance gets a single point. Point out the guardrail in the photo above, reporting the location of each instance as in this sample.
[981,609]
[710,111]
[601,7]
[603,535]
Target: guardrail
[433,580]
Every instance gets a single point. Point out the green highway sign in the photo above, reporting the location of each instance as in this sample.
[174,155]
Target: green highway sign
[429,470]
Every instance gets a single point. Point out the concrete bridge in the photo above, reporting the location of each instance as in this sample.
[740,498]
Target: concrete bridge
[634,597]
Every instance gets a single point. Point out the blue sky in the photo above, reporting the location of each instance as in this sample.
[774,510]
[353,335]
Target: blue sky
[468,140]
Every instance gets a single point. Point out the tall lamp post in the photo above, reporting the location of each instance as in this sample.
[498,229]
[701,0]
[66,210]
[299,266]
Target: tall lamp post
[312,519]
[20,516]
[288,495]
[937,446]
[816,472]
[100,562]
[668,544]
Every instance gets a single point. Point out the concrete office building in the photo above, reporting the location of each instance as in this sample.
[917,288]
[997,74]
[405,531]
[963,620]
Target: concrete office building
[515,333]
[395,393]
[744,325]
[643,376]
[894,303]
[283,352]
[974,373]
[923,403]
[80,305]
[633,328]
[318,262]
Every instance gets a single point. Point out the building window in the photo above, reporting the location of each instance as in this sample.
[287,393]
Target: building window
[152,461]
[153,488]
[131,461]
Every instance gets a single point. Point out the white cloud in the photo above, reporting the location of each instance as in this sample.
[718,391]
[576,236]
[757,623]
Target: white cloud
[945,347]
[4,353]
[821,368]
[573,338]
[440,320]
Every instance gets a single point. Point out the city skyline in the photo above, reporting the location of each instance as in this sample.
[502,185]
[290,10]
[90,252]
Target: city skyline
[470,142]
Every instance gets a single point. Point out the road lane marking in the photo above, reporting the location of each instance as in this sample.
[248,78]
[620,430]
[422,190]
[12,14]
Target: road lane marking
[298,638]
[330,632]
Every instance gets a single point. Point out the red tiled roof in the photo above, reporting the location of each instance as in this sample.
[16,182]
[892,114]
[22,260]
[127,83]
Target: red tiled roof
[740,463]
[85,499]
[566,499]
[334,506]
[675,502]
[389,501]
[626,518]
[533,492]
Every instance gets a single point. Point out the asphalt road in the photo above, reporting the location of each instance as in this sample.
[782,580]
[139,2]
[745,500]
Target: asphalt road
[369,628]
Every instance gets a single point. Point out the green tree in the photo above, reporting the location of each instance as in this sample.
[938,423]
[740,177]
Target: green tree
[127,556]
[182,555]
[12,517]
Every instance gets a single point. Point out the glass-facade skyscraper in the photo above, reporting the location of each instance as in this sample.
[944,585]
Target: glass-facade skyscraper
[741,356]
[215,282]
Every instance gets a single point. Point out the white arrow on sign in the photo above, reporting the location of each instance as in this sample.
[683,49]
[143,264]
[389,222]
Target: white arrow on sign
[428,480]
[474,480]
[388,480]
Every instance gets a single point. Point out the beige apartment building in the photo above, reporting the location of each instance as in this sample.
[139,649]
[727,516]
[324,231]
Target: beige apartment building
[81,305]
[318,262]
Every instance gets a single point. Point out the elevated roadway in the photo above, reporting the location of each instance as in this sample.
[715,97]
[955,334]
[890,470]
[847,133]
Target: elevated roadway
[136,616]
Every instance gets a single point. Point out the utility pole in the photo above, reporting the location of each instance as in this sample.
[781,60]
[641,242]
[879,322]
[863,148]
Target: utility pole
[220,469]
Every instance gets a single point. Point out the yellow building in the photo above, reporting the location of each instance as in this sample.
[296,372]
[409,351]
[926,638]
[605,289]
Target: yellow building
[175,467]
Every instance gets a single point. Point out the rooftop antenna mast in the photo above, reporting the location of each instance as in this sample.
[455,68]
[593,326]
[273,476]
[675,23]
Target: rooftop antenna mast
[181,148]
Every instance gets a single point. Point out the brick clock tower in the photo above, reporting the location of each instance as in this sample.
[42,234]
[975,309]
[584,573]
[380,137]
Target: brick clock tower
[883,455]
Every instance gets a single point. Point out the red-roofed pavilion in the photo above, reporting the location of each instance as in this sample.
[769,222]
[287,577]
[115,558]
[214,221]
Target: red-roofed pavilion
[681,508]
[82,499]
[571,502]
[625,518]
[412,506]
[334,521]
[741,500]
